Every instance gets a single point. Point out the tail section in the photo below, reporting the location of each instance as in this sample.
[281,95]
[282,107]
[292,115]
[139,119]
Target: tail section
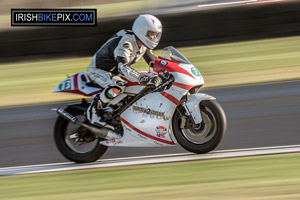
[77,84]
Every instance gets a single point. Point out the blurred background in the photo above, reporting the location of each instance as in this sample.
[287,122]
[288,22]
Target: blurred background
[47,54]
[185,23]
[247,51]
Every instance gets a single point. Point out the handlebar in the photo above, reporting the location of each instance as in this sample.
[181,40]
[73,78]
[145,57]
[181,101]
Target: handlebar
[166,84]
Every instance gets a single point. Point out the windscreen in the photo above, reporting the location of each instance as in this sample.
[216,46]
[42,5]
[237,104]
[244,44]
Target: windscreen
[173,54]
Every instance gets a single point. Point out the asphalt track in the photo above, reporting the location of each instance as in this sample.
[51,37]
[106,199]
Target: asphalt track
[258,116]
[154,159]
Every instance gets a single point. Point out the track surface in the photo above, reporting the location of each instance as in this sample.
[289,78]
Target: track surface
[142,160]
[258,116]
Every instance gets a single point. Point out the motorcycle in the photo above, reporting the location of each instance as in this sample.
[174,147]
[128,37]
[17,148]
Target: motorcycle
[173,113]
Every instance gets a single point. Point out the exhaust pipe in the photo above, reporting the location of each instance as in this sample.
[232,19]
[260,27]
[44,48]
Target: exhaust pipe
[103,132]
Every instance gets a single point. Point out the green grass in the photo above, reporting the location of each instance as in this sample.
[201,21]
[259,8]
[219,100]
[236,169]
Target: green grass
[264,177]
[245,56]
[221,65]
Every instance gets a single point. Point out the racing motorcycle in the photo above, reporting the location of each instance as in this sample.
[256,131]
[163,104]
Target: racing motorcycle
[173,113]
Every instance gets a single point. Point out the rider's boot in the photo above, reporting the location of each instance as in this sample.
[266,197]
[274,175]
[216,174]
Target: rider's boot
[99,104]
[93,114]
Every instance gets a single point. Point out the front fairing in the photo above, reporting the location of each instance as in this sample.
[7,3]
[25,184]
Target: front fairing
[184,73]
[181,68]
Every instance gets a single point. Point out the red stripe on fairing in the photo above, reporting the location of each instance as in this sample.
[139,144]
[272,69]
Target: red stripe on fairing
[145,134]
[76,82]
[133,84]
[183,86]
[170,97]
[170,67]
[180,70]
[81,93]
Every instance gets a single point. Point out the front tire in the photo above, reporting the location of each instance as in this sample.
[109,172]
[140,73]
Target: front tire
[206,137]
[64,134]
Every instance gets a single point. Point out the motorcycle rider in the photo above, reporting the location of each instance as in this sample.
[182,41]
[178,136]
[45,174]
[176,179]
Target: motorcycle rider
[116,57]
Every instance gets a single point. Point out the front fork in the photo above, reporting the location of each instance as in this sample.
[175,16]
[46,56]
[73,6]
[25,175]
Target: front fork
[191,117]
[192,109]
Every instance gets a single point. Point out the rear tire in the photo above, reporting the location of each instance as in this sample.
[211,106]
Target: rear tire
[69,148]
[208,136]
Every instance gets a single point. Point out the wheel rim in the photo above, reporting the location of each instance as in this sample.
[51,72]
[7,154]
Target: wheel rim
[203,133]
[69,138]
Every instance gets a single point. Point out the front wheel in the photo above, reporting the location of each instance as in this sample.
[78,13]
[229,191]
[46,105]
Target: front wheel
[76,143]
[204,137]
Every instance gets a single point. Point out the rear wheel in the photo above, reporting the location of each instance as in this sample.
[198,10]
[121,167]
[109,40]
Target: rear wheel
[204,137]
[76,143]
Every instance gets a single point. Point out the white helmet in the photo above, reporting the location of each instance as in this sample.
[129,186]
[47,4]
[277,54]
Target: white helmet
[148,29]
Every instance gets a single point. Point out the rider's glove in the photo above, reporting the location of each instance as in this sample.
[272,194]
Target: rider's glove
[144,79]
[164,75]
[152,81]
[155,81]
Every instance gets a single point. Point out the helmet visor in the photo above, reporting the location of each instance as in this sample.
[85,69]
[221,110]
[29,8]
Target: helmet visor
[154,36]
